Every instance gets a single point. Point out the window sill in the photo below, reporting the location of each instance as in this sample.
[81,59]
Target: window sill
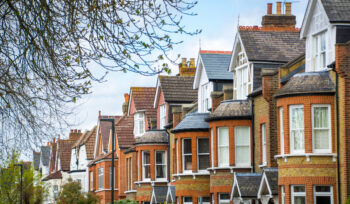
[130,191]
[263,165]
[308,155]
[150,182]
[105,189]
[231,168]
[201,173]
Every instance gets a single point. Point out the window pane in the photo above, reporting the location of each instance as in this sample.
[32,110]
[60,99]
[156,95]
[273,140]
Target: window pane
[323,189]
[321,139]
[160,171]
[299,189]
[223,156]
[299,200]
[224,196]
[160,158]
[243,155]
[223,136]
[187,146]
[146,158]
[323,200]
[321,117]
[188,199]
[147,170]
[203,145]
[203,161]
[298,137]
[297,118]
[188,162]
[242,136]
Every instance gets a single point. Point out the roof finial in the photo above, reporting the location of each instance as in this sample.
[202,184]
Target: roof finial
[200,44]
[238,21]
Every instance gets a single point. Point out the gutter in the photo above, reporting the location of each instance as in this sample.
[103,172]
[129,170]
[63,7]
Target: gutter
[253,136]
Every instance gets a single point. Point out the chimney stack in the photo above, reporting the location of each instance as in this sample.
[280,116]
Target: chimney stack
[278,8]
[125,104]
[288,8]
[176,115]
[187,69]
[216,98]
[228,91]
[279,20]
[269,8]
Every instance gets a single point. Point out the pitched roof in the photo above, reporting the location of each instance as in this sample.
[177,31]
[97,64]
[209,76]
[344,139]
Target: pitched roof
[193,122]
[271,45]
[272,178]
[45,155]
[124,132]
[248,183]
[153,136]
[36,160]
[231,109]
[87,139]
[216,64]
[53,156]
[160,193]
[105,130]
[55,175]
[64,153]
[337,10]
[107,156]
[143,100]
[307,83]
[178,88]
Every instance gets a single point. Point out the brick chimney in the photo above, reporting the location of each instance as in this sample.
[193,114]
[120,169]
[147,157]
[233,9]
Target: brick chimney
[187,69]
[281,19]
[176,115]
[228,91]
[269,83]
[74,134]
[125,104]
[216,98]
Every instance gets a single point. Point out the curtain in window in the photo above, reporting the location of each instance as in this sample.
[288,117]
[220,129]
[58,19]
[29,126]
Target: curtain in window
[297,128]
[242,145]
[321,128]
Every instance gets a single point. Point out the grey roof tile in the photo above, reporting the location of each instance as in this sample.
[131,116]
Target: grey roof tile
[337,10]
[272,179]
[160,193]
[216,66]
[231,109]
[248,183]
[271,46]
[45,155]
[36,159]
[193,122]
[178,88]
[307,83]
[153,136]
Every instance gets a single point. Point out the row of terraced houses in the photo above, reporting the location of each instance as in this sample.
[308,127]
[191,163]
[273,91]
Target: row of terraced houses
[268,122]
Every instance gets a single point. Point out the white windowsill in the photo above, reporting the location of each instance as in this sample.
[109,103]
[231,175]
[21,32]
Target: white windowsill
[105,189]
[231,168]
[157,181]
[308,155]
[263,165]
[130,191]
[200,173]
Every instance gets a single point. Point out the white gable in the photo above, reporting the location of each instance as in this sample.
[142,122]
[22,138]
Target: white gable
[237,47]
[199,77]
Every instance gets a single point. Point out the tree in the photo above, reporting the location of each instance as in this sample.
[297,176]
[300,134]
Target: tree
[10,177]
[126,201]
[71,193]
[47,49]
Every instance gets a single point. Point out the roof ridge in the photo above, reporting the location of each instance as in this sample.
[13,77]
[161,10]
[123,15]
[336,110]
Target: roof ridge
[215,52]
[268,29]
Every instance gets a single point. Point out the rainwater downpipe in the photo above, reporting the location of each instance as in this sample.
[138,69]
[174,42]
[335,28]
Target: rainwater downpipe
[253,140]
[337,112]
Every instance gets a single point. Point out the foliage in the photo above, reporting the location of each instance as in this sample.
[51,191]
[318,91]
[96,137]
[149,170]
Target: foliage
[71,193]
[10,185]
[48,49]
[126,201]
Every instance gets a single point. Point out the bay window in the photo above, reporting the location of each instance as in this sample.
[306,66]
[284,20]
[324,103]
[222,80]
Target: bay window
[162,116]
[281,131]
[203,153]
[224,198]
[139,124]
[263,144]
[100,178]
[321,128]
[319,52]
[187,155]
[298,194]
[187,200]
[91,181]
[323,194]
[223,147]
[110,177]
[242,145]
[146,165]
[160,165]
[296,126]
[212,146]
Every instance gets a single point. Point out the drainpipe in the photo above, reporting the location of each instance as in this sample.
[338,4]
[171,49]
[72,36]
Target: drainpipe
[337,112]
[253,140]
[168,155]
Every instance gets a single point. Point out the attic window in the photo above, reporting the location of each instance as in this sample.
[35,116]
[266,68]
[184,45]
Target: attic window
[319,52]
[241,59]
[139,124]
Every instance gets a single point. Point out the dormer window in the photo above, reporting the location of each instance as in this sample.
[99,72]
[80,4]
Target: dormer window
[162,116]
[241,59]
[319,52]
[205,98]
[139,124]
[242,82]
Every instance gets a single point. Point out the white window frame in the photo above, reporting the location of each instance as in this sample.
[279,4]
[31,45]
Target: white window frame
[183,200]
[55,192]
[205,97]
[283,196]
[263,145]
[243,82]
[317,51]
[329,150]
[224,201]
[144,165]
[248,164]
[165,164]
[202,154]
[220,164]
[299,194]
[212,146]
[110,177]
[200,200]
[281,131]
[330,194]
[291,107]
[91,181]
[177,155]
[162,116]
[100,178]
[183,155]
[139,118]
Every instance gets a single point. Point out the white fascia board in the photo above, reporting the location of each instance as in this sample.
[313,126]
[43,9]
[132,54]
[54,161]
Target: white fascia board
[155,102]
[197,76]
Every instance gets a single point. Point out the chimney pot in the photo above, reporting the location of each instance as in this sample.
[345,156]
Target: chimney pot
[126,97]
[278,8]
[288,8]
[192,63]
[184,63]
[71,131]
[269,8]
[79,131]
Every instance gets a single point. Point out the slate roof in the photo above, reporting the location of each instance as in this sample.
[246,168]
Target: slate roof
[272,178]
[105,129]
[307,83]
[178,88]
[193,122]
[248,183]
[124,132]
[160,193]
[172,191]
[337,10]
[271,46]
[45,155]
[36,159]
[65,151]
[55,175]
[143,100]
[216,64]
[153,136]
[231,109]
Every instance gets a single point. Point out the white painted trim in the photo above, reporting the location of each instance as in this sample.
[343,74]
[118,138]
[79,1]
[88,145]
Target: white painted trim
[105,189]
[183,156]
[155,101]
[291,141]
[313,106]
[233,55]
[235,183]
[129,102]
[130,191]
[155,165]
[153,196]
[264,179]
[307,17]
[151,182]
[330,194]
[307,155]
[169,195]
[198,74]
[142,167]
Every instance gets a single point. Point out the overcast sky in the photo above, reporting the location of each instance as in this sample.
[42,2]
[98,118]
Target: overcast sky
[218,21]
